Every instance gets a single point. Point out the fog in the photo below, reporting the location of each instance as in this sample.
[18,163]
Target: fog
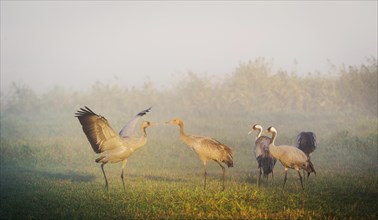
[75,44]
[219,66]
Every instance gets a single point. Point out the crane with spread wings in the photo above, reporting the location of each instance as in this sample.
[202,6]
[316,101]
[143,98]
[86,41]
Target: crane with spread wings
[113,147]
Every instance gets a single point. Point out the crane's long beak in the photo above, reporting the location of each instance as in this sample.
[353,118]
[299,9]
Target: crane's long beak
[250,132]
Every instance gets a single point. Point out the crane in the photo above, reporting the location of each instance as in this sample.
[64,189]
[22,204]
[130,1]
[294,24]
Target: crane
[264,159]
[289,156]
[103,139]
[206,148]
[306,141]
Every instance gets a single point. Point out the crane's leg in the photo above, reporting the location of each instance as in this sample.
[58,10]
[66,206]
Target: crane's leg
[300,177]
[266,179]
[204,174]
[259,180]
[285,178]
[106,180]
[224,171]
[304,176]
[122,174]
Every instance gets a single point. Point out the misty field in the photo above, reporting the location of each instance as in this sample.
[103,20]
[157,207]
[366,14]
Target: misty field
[48,169]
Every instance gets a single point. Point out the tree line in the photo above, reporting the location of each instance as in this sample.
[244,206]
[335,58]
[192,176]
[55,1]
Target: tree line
[251,87]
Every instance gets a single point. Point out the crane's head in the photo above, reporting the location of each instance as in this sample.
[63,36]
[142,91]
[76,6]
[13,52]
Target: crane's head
[147,124]
[271,129]
[255,127]
[176,121]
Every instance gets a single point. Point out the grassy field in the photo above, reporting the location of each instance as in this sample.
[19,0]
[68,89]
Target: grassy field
[54,175]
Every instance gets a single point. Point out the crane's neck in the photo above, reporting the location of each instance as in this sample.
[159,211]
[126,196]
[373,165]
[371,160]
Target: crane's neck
[182,133]
[274,135]
[144,133]
[272,147]
[184,137]
[140,142]
[259,134]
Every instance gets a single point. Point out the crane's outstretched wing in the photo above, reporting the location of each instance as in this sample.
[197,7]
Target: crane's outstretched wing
[128,130]
[98,131]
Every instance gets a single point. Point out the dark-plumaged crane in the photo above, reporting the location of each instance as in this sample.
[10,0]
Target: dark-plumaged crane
[264,159]
[103,139]
[289,156]
[306,142]
[206,148]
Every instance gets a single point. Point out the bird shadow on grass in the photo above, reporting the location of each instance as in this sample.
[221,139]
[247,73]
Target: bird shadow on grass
[158,178]
[246,177]
[71,176]
[14,171]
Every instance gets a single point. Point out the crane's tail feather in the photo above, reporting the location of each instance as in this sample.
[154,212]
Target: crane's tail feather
[229,163]
[310,167]
[98,160]
[229,158]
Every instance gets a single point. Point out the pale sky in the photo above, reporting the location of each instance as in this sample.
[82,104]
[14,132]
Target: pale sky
[75,44]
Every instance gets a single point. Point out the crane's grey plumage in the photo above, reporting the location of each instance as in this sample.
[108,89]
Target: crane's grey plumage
[289,156]
[306,141]
[105,140]
[264,159]
[206,148]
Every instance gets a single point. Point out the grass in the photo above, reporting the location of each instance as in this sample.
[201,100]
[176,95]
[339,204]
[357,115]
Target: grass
[55,177]
[32,194]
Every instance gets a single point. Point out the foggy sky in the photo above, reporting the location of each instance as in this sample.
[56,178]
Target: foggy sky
[74,44]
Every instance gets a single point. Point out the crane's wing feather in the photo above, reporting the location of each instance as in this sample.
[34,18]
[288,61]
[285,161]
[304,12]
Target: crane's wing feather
[128,130]
[100,134]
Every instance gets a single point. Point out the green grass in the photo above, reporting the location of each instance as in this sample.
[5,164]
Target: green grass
[55,177]
[342,189]
[27,193]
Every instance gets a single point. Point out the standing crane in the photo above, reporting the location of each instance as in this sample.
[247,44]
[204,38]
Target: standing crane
[264,159]
[103,139]
[306,141]
[206,148]
[289,156]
